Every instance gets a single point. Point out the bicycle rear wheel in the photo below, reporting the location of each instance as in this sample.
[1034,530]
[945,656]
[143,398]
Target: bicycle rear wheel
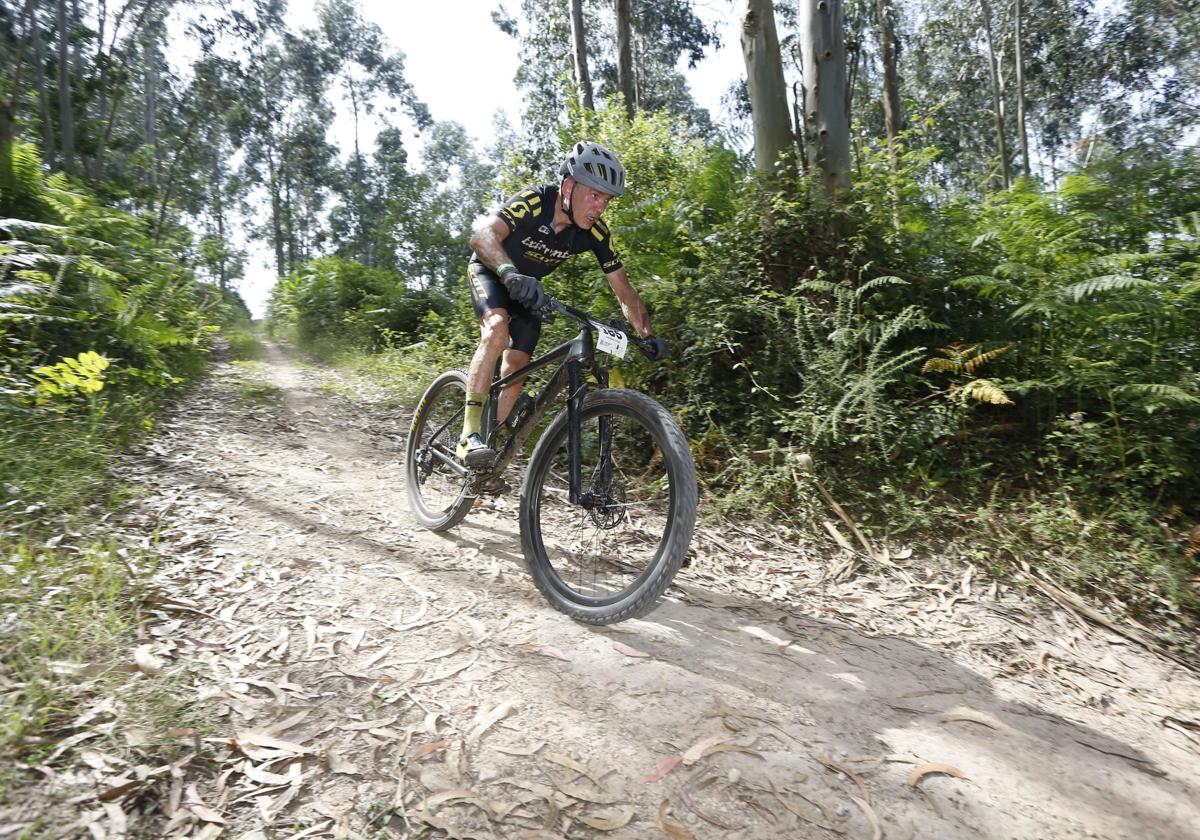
[436,481]
[611,560]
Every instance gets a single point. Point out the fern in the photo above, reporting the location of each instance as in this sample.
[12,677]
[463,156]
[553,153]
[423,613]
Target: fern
[1105,283]
[1152,396]
[984,391]
[874,285]
[971,365]
[940,366]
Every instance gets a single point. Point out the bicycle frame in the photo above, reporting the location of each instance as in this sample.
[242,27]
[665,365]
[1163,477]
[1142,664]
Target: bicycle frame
[575,355]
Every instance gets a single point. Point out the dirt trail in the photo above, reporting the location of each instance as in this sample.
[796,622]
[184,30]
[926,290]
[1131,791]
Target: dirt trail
[422,680]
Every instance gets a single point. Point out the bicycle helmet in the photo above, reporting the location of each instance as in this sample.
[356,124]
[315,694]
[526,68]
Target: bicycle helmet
[594,166]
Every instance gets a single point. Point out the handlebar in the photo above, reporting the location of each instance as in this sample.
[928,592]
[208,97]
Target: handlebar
[555,307]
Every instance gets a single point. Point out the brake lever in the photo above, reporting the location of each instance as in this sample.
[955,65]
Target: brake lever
[547,312]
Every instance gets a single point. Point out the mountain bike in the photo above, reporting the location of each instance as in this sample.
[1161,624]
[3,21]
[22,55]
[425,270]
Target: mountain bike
[608,500]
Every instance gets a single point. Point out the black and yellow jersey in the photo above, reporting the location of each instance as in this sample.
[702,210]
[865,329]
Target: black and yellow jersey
[533,246]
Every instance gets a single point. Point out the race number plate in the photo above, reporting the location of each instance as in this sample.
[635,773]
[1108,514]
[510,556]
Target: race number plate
[611,341]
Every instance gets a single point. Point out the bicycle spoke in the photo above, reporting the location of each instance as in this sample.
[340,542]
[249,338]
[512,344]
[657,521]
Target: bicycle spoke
[601,551]
[436,480]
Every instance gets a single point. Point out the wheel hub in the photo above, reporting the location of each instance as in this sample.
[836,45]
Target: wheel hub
[606,509]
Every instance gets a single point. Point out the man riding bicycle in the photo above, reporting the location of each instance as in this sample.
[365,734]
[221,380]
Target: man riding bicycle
[512,250]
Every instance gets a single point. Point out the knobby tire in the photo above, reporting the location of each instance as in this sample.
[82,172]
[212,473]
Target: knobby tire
[650,440]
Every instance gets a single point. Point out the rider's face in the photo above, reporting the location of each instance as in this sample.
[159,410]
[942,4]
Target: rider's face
[587,204]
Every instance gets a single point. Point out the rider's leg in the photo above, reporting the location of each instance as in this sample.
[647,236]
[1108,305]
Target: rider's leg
[513,360]
[493,339]
[524,329]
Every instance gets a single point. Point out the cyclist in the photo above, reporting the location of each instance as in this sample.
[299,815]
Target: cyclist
[518,245]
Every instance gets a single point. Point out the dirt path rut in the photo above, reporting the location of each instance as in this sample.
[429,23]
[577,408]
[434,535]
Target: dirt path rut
[372,679]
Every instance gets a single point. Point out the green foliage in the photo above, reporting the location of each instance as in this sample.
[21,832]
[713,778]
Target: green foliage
[72,377]
[352,303]
[97,323]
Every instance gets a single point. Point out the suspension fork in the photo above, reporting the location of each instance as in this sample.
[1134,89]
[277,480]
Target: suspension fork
[576,391]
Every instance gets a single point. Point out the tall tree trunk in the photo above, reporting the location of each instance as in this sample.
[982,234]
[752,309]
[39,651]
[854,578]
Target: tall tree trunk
[997,96]
[215,180]
[579,40]
[357,187]
[1022,135]
[625,56]
[150,134]
[288,215]
[798,123]
[276,211]
[49,146]
[8,108]
[888,50]
[117,60]
[827,129]
[764,81]
[172,172]
[66,118]
[74,22]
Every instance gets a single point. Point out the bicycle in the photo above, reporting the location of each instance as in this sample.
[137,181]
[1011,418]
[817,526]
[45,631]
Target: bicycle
[608,500]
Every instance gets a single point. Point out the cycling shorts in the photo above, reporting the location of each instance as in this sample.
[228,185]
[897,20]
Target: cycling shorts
[488,292]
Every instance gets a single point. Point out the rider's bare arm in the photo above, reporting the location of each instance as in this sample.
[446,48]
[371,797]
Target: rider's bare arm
[486,241]
[630,300]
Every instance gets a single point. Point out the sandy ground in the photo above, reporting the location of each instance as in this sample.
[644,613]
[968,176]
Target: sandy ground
[372,679]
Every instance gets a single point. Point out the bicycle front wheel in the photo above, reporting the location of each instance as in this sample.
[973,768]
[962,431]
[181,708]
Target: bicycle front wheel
[610,557]
[436,481]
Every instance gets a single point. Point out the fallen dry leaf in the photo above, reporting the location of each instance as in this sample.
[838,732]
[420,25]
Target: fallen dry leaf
[665,766]
[147,662]
[485,720]
[727,747]
[572,764]
[263,777]
[608,820]
[196,805]
[456,795]
[849,774]
[530,750]
[360,725]
[277,729]
[118,825]
[697,750]
[262,739]
[869,813]
[425,749]
[973,716]
[916,775]
[672,830]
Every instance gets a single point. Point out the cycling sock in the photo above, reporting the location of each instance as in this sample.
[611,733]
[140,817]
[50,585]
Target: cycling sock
[473,414]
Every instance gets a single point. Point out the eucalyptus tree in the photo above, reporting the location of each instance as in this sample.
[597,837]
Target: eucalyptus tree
[66,116]
[371,73]
[765,85]
[452,190]
[826,121]
[625,54]
[1151,52]
[16,33]
[660,34]
[280,124]
[579,48]
[889,48]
